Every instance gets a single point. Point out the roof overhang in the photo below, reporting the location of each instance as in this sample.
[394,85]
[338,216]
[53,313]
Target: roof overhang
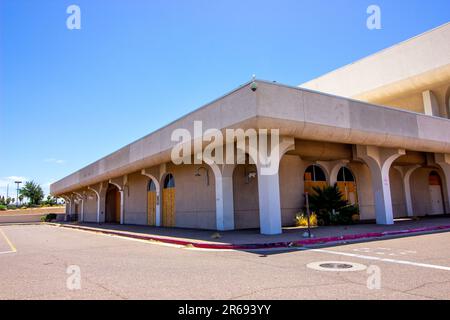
[296,112]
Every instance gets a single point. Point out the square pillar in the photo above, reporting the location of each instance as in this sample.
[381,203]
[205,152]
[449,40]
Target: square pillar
[269,204]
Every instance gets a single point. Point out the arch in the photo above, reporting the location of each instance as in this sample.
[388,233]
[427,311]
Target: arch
[158,198]
[81,198]
[113,205]
[436,193]
[98,202]
[168,200]
[314,177]
[346,183]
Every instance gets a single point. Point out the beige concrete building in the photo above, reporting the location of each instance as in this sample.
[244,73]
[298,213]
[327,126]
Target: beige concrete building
[379,128]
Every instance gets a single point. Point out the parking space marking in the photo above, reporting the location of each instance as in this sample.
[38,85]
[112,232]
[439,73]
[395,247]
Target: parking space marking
[13,248]
[404,262]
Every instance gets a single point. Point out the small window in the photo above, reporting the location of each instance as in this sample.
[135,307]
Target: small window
[151,186]
[315,173]
[345,175]
[169,181]
[434,179]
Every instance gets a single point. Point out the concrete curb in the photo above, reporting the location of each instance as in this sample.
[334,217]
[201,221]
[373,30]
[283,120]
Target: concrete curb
[259,246]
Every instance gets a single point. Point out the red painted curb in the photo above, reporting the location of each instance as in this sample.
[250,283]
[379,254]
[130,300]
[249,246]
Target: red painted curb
[274,245]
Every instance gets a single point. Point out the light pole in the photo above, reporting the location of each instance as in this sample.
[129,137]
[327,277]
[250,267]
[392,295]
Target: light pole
[17,192]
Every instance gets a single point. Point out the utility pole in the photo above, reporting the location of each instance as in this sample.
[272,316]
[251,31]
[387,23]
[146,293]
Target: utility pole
[17,192]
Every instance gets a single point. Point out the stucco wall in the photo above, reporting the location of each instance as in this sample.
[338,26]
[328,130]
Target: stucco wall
[397,194]
[90,207]
[364,186]
[195,202]
[246,205]
[420,191]
[291,188]
[136,199]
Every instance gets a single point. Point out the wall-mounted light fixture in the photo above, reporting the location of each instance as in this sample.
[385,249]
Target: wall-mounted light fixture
[249,174]
[197,174]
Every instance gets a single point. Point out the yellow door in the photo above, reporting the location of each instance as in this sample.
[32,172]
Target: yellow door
[348,190]
[168,207]
[151,207]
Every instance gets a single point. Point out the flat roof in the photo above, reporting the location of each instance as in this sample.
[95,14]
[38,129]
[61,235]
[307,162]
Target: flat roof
[411,65]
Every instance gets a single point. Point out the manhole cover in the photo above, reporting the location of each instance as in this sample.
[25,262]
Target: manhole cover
[338,266]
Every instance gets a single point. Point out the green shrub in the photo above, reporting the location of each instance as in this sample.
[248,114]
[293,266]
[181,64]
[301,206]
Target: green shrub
[331,208]
[49,217]
[3,207]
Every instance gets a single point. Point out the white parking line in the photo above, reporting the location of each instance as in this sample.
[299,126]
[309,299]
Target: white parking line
[13,249]
[404,262]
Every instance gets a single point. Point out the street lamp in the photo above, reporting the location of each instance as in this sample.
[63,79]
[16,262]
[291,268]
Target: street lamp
[17,192]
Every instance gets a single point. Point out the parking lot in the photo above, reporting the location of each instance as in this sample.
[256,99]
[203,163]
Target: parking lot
[47,262]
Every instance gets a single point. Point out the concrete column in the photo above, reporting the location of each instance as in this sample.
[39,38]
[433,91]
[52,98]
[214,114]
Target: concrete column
[443,160]
[406,173]
[430,104]
[379,161]
[269,186]
[80,197]
[269,204]
[100,191]
[68,208]
[122,185]
[223,176]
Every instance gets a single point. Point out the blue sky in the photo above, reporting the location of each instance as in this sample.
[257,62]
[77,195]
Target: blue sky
[70,97]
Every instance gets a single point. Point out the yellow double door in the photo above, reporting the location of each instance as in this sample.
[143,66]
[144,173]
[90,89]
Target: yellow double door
[168,207]
[349,193]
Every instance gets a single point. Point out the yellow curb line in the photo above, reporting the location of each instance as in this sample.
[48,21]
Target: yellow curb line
[13,249]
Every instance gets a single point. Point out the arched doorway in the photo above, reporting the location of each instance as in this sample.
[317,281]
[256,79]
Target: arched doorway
[346,183]
[314,178]
[151,203]
[168,201]
[436,195]
[112,204]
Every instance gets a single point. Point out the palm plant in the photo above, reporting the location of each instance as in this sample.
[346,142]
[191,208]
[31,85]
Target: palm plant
[330,206]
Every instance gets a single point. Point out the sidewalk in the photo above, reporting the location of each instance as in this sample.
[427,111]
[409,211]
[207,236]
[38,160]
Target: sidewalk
[251,239]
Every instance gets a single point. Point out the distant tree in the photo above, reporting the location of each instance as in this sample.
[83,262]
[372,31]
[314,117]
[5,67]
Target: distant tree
[2,200]
[8,201]
[21,197]
[33,192]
